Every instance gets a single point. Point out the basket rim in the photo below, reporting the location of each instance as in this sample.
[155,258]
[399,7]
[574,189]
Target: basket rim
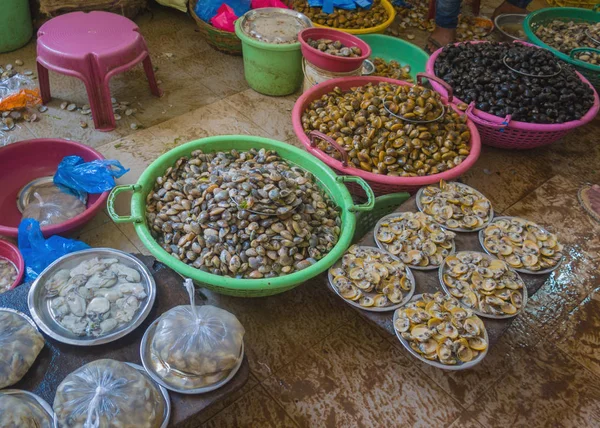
[316,91]
[200,21]
[515,124]
[527,25]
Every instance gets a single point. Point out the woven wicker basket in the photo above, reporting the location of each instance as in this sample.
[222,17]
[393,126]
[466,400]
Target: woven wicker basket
[128,8]
[223,41]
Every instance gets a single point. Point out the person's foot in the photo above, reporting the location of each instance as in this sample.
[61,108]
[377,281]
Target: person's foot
[506,7]
[440,38]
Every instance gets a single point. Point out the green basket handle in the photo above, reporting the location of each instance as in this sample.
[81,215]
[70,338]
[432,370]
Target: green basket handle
[110,204]
[577,50]
[595,8]
[368,206]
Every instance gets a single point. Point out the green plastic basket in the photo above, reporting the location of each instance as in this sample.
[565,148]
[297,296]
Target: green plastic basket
[391,48]
[542,16]
[384,205]
[327,179]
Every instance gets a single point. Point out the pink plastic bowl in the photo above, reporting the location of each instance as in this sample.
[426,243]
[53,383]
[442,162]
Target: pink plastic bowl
[505,133]
[11,252]
[328,62]
[22,162]
[381,184]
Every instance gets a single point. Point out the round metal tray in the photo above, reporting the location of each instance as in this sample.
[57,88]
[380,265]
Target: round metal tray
[478,312]
[463,366]
[521,270]
[405,299]
[163,392]
[380,245]
[146,356]
[39,305]
[35,400]
[458,229]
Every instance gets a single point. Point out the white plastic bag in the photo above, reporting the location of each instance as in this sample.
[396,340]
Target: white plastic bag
[203,343]
[108,393]
[20,344]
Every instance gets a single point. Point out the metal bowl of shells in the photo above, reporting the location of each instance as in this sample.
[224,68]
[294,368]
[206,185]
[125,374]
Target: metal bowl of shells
[371,279]
[455,206]
[435,329]
[484,284]
[415,238]
[19,408]
[92,297]
[522,244]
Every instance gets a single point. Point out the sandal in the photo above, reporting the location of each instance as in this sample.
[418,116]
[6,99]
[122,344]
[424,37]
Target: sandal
[434,42]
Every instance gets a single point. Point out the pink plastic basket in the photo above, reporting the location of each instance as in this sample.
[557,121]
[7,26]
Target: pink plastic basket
[381,184]
[511,134]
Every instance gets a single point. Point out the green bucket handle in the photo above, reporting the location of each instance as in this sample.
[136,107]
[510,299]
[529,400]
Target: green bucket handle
[595,8]
[110,204]
[577,50]
[368,206]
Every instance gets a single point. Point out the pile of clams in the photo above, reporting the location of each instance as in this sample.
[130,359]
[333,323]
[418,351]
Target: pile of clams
[438,329]
[565,36]
[342,18]
[242,214]
[522,244]
[391,69]
[8,274]
[371,277]
[455,206]
[95,297]
[483,283]
[335,48]
[415,238]
[365,122]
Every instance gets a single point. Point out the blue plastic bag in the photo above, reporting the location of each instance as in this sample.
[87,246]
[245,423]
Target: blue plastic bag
[39,252]
[340,4]
[207,9]
[78,177]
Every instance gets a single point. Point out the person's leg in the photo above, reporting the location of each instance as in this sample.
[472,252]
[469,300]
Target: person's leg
[446,20]
[511,6]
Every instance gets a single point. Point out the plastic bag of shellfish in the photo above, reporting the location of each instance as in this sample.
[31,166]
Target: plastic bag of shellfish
[108,393]
[18,92]
[199,341]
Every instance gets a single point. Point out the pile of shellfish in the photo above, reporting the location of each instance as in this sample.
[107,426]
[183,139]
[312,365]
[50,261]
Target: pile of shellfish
[365,122]
[95,297]
[8,274]
[335,48]
[568,35]
[342,18]
[455,206]
[371,277]
[438,329]
[243,214]
[391,69]
[415,238]
[522,244]
[483,283]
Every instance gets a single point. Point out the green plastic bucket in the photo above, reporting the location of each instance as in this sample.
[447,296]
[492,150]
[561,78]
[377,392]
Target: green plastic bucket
[271,69]
[16,27]
[394,49]
[326,177]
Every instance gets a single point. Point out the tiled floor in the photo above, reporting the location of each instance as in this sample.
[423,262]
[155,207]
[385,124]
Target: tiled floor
[314,362]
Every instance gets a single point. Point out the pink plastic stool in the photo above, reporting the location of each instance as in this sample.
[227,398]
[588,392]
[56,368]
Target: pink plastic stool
[93,47]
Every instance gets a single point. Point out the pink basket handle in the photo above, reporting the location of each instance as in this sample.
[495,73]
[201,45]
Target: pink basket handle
[500,125]
[447,87]
[313,135]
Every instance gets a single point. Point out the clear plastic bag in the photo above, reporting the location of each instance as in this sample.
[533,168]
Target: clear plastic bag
[202,344]
[108,393]
[20,344]
[16,411]
[17,92]
[52,206]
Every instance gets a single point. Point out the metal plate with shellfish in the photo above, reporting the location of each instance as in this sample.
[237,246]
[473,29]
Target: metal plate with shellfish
[486,285]
[38,406]
[163,392]
[440,343]
[415,238]
[520,243]
[92,297]
[371,276]
[455,206]
[154,366]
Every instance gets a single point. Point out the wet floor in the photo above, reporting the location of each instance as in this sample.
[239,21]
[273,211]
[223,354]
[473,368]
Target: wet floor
[314,361]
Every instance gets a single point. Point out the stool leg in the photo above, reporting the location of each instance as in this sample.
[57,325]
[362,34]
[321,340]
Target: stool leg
[151,77]
[44,82]
[475,6]
[101,105]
